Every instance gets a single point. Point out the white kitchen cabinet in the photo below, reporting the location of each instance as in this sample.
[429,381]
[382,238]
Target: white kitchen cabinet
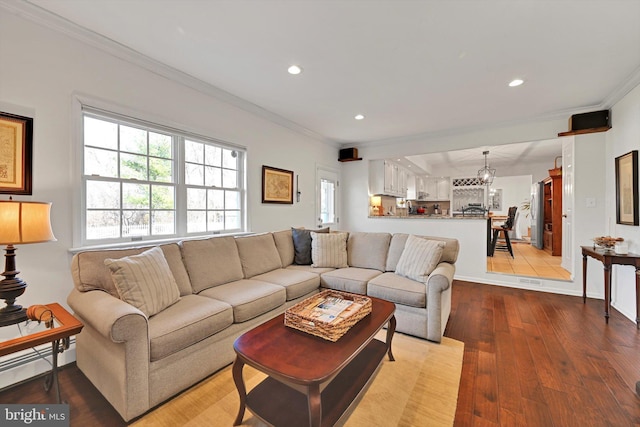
[402,181]
[420,184]
[412,190]
[444,188]
[438,188]
[387,178]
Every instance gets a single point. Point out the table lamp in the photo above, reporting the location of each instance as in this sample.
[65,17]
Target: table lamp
[20,223]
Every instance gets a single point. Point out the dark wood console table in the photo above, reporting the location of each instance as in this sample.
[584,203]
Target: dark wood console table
[609,258]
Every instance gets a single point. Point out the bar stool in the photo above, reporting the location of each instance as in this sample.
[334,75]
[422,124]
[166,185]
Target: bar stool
[504,228]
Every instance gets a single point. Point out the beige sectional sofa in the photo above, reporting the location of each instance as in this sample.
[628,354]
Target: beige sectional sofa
[225,286]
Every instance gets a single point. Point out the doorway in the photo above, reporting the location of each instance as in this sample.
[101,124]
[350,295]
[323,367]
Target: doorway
[327,197]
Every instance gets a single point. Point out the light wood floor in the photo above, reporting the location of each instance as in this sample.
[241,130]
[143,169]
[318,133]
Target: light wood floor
[527,261]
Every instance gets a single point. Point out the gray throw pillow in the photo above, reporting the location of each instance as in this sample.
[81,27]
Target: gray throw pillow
[302,244]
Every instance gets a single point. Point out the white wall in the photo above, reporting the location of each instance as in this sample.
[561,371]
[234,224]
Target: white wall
[622,138]
[41,72]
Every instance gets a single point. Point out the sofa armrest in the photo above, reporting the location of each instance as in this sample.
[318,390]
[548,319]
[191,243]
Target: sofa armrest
[441,277]
[111,317]
[113,350]
[439,299]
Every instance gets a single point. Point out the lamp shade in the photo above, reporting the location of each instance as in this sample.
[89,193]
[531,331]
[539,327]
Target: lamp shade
[25,222]
[376,201]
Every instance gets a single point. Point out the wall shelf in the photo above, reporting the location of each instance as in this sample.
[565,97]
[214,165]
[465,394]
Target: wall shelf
[583,131]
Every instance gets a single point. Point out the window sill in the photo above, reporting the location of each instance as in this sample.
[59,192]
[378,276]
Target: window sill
[144,243]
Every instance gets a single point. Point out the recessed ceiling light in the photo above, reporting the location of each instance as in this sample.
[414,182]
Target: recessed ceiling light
[516,82]
[359,117]
[294,69]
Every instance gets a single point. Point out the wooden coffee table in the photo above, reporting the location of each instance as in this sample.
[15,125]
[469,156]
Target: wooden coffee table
[310,381]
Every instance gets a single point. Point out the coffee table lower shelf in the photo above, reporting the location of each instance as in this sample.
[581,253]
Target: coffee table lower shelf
[280,405]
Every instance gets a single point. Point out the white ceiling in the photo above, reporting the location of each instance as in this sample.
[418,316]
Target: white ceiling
[411,67]
[500,157]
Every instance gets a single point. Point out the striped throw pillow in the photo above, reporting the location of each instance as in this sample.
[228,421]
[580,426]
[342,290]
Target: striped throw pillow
[329,250]
[419,258]
[145,281]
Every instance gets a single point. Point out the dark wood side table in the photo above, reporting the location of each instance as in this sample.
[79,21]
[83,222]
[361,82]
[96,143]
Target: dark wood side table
[609,258]
[64,326]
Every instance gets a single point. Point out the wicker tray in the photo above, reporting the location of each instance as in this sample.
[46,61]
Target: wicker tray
[302,317]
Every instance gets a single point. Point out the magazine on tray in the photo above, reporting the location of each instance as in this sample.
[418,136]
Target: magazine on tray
[330,309]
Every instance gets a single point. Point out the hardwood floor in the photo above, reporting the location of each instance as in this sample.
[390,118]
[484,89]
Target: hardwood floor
[531,359]
[537,359]
[527,261]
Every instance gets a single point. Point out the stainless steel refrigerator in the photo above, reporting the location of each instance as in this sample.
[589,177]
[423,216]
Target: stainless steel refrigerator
[537,214]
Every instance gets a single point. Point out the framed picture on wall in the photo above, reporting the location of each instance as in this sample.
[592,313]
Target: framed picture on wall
[277,185]
[16,145]
[627,189]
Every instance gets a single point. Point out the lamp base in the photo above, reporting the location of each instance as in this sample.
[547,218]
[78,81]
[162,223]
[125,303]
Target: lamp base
[16,314]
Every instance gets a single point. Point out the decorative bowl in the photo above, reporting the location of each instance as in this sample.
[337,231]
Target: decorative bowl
[607,242]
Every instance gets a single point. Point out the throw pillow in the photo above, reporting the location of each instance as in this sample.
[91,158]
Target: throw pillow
[145,281]
[302,244]
[329,250]
[419,258]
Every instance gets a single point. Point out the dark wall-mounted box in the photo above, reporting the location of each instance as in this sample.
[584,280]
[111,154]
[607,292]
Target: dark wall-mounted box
[592,120]
[348,154]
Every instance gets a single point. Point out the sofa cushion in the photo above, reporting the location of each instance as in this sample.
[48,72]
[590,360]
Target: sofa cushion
[398,289]
[368,250]
[89,272]
[351,279]
[296,282]
[302,244]
[145,281]
[310,269]
[212,262]
[419,258]
[258,254]
[398,240]
[284,243]
[249,298]
[187,322]
[329,250]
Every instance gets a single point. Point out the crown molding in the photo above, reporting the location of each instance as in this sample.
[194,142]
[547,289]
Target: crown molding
[622,90]
[31,12]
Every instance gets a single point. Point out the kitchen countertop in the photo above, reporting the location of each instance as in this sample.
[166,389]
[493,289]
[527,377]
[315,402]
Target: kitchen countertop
[428,216]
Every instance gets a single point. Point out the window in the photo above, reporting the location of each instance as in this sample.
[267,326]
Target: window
[144,181]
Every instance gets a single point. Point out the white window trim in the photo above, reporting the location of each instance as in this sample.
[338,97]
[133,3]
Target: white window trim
[82,103]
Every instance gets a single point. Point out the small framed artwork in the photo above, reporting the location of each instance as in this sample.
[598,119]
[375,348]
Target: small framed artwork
[16,145]
[627,189]
[277,185]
